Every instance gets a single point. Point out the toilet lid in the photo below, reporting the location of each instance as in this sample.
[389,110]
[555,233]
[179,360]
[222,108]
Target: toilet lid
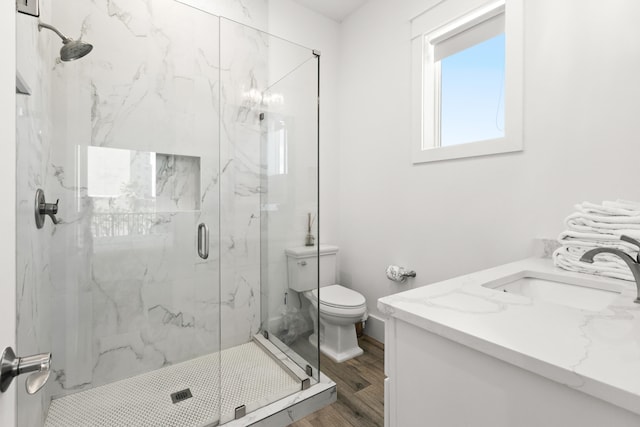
[339,296]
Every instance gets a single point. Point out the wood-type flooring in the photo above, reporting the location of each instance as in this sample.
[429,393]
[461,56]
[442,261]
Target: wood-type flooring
[360,382]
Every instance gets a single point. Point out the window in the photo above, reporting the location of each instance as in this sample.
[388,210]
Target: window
[472,92]
[467,80]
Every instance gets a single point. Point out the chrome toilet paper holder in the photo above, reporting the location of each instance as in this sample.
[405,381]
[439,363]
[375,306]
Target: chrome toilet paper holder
[399,274]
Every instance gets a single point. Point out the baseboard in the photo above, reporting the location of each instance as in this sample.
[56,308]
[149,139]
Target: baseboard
[375,328]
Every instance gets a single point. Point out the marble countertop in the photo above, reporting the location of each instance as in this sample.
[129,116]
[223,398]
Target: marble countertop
[596,352]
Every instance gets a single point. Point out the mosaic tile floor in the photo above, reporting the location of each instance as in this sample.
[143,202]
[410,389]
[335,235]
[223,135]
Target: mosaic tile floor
[249,376]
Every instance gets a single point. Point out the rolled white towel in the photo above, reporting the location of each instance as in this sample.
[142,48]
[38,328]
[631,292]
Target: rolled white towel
[617,208]
[607,230]
[603,221]
[602,265]
[623,204]
[593,240]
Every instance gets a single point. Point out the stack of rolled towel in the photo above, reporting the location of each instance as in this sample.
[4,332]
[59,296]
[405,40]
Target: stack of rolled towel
[599,226]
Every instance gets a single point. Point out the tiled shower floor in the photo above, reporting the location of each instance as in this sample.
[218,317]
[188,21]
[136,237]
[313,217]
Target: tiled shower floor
[249,376]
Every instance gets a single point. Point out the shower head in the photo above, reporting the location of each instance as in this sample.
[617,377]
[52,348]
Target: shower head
[71,49]
[74,49]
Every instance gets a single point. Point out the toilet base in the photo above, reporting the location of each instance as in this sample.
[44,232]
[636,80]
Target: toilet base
[344,340]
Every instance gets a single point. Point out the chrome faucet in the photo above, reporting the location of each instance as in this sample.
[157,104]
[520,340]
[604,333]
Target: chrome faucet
[634,265]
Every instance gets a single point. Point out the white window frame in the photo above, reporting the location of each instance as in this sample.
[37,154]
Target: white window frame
[443,21]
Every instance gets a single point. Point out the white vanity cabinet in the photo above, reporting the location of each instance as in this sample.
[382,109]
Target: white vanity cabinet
[459,354]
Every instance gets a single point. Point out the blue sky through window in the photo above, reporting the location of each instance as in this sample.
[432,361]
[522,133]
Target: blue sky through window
[472,93]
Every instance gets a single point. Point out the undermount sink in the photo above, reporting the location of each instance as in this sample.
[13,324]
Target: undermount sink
[592,296]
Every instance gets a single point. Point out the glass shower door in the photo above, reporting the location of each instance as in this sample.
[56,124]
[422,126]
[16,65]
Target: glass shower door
[125,290]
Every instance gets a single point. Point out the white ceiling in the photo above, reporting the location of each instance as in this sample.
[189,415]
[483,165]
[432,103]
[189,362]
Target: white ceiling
[333,9]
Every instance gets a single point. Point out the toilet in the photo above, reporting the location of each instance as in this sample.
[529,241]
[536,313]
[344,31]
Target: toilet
[340,308]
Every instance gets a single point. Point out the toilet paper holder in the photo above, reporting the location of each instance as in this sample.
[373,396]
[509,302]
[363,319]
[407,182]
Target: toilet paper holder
[399,274]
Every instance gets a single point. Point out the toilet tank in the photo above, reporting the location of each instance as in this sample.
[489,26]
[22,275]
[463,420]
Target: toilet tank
[302,267]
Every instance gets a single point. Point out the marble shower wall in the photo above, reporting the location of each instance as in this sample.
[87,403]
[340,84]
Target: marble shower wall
[243,63]
[35,58]
[253,13]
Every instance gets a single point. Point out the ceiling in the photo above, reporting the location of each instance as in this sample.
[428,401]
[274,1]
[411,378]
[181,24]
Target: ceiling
[333,9]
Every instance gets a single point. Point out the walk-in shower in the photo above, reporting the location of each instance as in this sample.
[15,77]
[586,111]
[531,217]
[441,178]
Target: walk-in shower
[184,154]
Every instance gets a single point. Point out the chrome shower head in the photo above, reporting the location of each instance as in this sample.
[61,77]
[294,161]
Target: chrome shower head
[71,49]
[74,49]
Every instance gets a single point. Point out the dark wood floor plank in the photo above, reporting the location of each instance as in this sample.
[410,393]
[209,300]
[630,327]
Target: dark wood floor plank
[326,417]
[373,397]
[371,374]
[348,376]
[360,382]
[361,413]
[373,347]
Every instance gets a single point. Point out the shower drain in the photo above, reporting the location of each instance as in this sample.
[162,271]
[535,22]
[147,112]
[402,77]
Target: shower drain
[181,395]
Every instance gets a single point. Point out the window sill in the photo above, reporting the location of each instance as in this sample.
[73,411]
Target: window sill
[472,149]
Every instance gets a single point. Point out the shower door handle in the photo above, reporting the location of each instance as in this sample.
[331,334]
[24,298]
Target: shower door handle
[203,240]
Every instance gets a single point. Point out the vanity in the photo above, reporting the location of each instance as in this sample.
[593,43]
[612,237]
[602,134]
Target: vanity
[524,344]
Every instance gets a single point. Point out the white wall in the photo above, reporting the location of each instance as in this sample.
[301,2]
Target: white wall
[444,219]
[7,195]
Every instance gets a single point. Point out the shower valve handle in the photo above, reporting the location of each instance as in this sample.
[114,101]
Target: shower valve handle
[50,209]
[43,208]
[11,366]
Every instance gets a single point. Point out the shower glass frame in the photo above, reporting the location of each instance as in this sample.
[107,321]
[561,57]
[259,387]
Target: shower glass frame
[289,203]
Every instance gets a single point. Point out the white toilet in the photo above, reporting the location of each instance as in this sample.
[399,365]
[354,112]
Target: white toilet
[340,307]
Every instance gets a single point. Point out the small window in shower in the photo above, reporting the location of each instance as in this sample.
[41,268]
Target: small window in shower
[129,188]
[114,173]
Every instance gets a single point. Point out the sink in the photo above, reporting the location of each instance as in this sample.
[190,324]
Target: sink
[592,296]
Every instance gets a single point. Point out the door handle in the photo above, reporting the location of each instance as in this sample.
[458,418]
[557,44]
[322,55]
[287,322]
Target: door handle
[12,366]
[203,240]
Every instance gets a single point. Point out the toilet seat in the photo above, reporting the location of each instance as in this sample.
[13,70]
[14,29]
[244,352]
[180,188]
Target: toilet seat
[336,300]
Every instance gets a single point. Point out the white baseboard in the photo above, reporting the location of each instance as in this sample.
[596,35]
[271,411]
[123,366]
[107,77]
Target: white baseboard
[375,328]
